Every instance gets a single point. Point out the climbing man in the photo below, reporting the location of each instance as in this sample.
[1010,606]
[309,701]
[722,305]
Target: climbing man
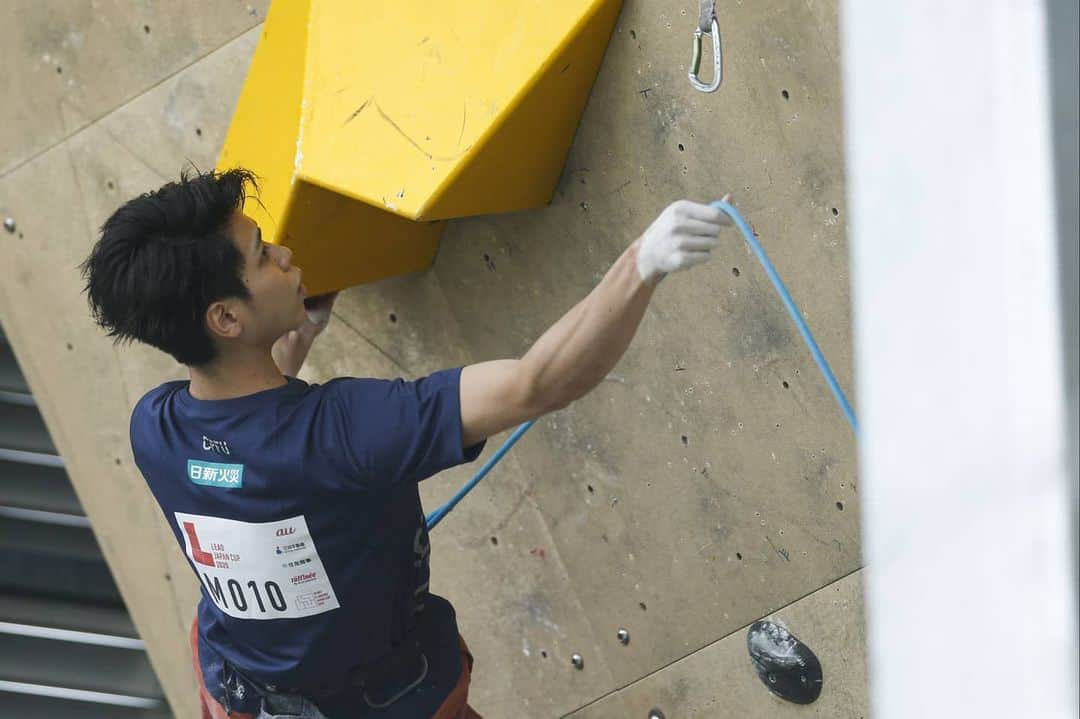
[296,504]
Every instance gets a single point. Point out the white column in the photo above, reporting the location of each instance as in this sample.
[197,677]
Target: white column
[966,484]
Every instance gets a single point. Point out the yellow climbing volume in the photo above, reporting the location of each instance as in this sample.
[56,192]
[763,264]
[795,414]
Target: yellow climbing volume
[370,122]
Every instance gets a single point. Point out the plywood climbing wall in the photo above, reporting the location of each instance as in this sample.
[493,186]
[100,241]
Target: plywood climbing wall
[708,482]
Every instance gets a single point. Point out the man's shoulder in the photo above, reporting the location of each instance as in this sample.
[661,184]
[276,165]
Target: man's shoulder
[143,422]
[154,398]
[374,389]
[347,387]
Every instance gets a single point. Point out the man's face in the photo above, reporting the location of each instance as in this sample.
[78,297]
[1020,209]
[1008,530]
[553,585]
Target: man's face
[277,294]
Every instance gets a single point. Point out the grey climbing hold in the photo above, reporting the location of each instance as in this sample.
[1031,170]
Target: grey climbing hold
[785,665]
[9,224]
[624,636]
[656,714]
[577,661]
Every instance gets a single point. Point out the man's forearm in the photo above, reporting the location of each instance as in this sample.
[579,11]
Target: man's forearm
[579,350]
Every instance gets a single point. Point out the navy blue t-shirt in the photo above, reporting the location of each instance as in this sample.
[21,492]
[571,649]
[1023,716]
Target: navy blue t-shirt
[299,509]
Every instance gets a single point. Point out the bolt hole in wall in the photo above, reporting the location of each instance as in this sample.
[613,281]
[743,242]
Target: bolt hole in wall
[495,541]
[146,29]
[840,506]
[735,271]
[835,212]
[393,317]
[681,148]
[198,131]
[59,70]
[785,94]
[785,384]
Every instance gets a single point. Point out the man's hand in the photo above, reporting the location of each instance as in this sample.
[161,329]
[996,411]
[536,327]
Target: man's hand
[318,311]
[682,236]
[291,349]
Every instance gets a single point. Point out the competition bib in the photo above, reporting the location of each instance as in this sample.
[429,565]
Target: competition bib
[268,570]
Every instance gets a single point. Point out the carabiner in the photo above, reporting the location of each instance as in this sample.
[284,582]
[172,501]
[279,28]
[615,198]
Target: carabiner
[718,60]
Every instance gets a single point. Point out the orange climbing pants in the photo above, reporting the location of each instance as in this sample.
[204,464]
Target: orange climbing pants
[456,705]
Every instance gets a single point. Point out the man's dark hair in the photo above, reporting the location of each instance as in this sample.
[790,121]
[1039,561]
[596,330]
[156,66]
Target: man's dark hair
[163,258]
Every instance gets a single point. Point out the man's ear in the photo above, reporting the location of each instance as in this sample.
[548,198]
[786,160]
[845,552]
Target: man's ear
[223,320]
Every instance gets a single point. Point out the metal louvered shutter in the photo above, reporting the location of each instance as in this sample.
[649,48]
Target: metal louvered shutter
[67,645]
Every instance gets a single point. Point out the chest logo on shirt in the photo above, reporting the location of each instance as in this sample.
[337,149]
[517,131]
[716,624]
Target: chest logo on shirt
[242,570]
[213,474]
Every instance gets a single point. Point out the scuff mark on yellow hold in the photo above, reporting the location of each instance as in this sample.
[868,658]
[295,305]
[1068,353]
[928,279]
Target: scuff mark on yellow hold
[461,134]
[358,111]
[428,155]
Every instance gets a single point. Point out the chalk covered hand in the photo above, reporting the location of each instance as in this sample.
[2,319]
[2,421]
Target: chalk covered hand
[683,235]
[318,311]
[291,349]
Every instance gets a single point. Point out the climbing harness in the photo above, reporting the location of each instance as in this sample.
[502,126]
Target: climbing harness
[707,25]
[748,234]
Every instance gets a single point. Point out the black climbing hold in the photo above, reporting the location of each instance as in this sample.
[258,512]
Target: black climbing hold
[785,665]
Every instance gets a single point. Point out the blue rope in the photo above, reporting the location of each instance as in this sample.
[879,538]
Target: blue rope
[796,316]
[437,516]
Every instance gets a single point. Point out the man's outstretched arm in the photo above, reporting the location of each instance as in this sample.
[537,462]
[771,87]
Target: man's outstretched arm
[580,349]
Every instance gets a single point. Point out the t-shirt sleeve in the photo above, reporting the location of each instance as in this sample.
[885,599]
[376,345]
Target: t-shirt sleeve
[403,431]
[143,423]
